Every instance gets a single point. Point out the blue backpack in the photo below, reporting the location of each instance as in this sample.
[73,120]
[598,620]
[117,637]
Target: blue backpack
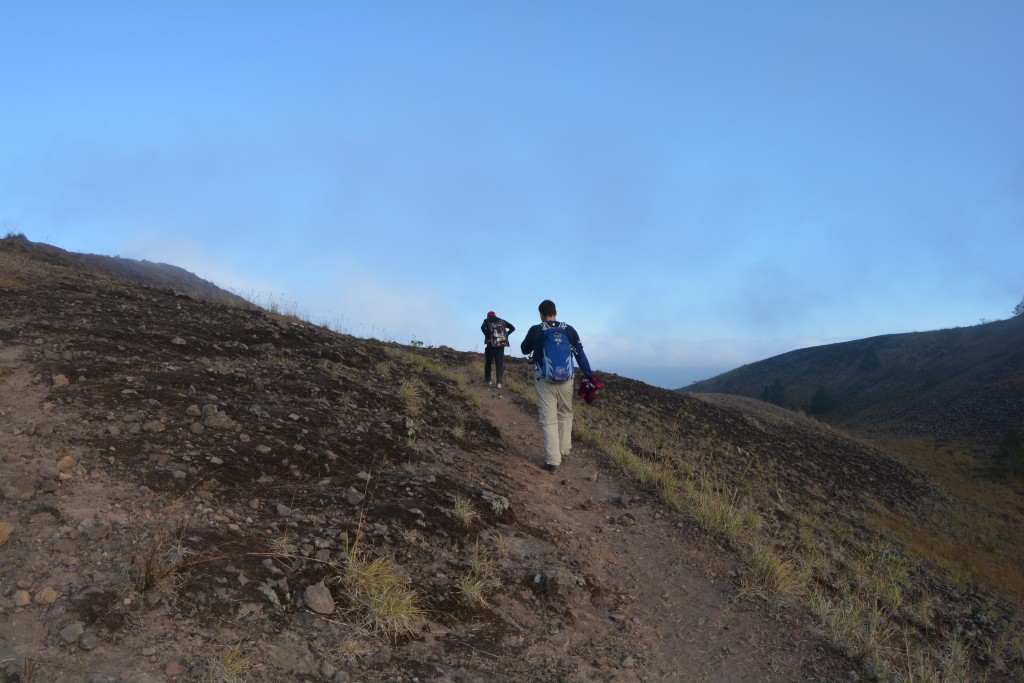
[556,365]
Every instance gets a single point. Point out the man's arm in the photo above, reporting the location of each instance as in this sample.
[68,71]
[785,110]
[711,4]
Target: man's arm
[527,344]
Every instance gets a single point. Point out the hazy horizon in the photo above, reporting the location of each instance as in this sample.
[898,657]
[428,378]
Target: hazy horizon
[697,186]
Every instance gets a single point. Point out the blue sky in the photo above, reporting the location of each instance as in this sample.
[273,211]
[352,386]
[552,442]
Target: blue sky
[697,185]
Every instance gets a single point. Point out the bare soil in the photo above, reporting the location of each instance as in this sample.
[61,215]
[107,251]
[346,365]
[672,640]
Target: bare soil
[177,475]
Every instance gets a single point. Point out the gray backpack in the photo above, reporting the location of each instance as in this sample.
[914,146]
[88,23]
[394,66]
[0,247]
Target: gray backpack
[499,337]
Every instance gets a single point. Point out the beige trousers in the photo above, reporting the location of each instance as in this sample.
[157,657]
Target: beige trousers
[554,405]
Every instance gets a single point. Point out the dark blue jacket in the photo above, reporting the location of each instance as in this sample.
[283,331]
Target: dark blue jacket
[534,343]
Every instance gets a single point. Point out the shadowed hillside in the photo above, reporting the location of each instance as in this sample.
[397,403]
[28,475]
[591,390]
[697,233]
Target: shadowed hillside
[141,272]
[196,491]
[962,385]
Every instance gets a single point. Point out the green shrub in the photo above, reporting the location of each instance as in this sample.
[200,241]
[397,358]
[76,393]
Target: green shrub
[1009,456]
[822,402]
[774,392]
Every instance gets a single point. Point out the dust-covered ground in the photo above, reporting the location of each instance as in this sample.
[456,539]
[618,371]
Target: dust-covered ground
[187,486]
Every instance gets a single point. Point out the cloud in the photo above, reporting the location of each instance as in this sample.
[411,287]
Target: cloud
[183,252]
[364,304]
[676,363]
[348,298]
[345,298]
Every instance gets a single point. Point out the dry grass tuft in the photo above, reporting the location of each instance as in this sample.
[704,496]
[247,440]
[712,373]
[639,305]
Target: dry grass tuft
[483,577]
[232,666]
[715,509]
[464,511]
[772,578]
[379,595]
[411,393]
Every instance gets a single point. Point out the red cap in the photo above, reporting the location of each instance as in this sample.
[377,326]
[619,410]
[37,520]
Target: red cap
[490,314]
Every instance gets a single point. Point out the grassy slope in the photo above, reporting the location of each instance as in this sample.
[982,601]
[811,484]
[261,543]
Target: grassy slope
[962,384]
[910,570]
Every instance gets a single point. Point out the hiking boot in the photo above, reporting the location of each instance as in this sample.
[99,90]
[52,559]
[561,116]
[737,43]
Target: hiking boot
[490,383]
[499,385]
[548,467]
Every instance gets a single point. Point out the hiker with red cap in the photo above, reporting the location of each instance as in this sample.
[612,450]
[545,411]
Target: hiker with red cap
[496,332]
[552,346]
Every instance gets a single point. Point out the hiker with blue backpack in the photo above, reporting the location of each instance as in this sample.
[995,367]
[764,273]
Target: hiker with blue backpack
[496,332]
[553,346]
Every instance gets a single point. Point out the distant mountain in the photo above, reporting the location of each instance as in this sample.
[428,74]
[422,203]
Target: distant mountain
[962,385]
[159,275]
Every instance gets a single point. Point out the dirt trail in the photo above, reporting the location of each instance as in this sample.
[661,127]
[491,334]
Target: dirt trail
[670,587]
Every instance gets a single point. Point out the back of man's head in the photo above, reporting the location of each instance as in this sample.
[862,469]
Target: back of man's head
[547,308]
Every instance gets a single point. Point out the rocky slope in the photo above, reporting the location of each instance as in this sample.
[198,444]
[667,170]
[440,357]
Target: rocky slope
[161,275]
[187,489]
